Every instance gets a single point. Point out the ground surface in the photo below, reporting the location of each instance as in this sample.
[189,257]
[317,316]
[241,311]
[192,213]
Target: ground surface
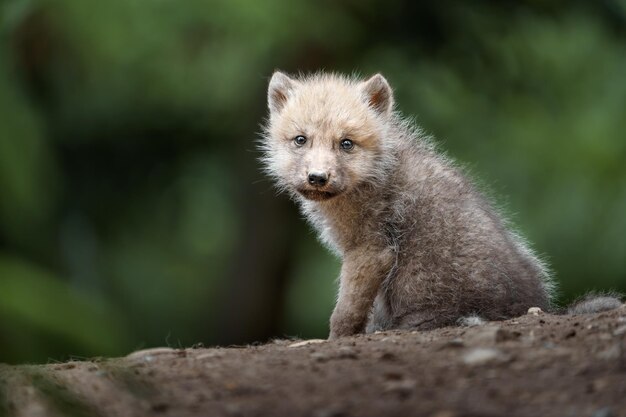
[536,365]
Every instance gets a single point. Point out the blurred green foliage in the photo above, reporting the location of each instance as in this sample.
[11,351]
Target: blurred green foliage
[132,209]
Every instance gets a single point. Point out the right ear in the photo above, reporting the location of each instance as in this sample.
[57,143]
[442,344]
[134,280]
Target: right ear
[378,94]
[279,90]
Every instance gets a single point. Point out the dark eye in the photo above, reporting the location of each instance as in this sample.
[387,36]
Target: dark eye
[346,144]
[299,140]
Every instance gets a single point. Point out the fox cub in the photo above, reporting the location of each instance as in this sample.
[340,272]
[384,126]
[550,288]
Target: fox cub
[420,246]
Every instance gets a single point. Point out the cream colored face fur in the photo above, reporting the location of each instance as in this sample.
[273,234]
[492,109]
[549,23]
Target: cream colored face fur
[325,110]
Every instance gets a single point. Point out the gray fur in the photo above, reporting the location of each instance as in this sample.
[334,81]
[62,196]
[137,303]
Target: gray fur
[595,303]
[453,254]
[470,321]
[421,246]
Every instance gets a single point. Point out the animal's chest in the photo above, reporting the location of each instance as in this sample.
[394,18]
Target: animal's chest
[348,228]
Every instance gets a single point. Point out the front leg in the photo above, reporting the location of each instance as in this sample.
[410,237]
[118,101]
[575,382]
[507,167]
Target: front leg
[362,271]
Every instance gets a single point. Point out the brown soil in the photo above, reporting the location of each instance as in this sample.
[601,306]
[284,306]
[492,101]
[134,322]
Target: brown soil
[536,365]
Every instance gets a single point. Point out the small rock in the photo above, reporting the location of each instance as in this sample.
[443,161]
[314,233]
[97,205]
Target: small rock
[481,356]
[620,330]
[67,365]
[319,356]
[403,387]
[209,354]
[149,354]
[307,342]
[535,311]
[389,339]
[471,321]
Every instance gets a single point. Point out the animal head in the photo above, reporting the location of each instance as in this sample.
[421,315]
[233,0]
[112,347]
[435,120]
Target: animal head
[325,133]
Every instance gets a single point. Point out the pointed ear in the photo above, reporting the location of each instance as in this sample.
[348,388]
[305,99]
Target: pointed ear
[278,91]
[378,94]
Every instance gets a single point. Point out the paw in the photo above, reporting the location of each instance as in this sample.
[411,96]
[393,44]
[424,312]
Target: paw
[341,326]
[336,334]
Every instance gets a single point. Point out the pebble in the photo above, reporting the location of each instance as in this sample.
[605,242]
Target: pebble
[148,355]
[480,356]
[535,311]
[319,356]
[67,365]
[209,354]
[403,387]
[307,342]
[389,339]
[620,330]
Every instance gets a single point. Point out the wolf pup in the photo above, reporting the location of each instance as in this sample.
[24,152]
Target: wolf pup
[421,247]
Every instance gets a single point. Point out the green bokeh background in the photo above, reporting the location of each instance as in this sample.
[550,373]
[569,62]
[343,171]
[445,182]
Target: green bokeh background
[132,209]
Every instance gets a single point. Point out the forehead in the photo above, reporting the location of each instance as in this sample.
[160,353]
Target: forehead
[328,104]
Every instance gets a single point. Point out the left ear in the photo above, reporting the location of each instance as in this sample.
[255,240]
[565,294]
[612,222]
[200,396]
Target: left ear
[378,94]
[279,91]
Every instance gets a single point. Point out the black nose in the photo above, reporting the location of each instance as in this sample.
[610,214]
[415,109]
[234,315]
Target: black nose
[318,179]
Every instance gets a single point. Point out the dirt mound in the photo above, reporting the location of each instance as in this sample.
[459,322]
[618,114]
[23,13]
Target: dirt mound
[535,365]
